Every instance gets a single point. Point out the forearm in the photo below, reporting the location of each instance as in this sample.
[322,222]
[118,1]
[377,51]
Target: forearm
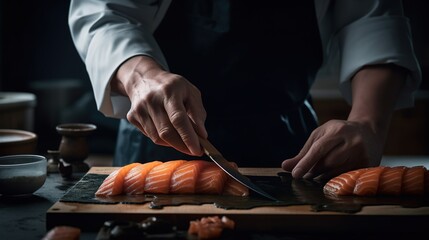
[375,89]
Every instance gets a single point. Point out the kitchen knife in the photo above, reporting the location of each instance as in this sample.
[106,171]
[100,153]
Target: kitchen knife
[217,157]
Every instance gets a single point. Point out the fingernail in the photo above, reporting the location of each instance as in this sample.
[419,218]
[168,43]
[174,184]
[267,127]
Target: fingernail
[285,163]
[297,173]
[308,176]
[195,153]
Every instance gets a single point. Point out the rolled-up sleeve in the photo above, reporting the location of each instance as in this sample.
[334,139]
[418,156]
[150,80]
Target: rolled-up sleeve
[107,33]
[358,33]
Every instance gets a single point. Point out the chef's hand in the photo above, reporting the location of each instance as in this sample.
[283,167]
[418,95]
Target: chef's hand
[340,146]
[336,147]
[166,107]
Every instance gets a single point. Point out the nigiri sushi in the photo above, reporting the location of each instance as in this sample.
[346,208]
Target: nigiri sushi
[391,181]
[171,177]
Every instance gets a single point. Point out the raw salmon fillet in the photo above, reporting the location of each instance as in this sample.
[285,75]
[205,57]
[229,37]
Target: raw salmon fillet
[367,183]
[414,180]
[211,180]
[159,178]
[392,181]
[171,177]
[210,227]
[134,181]
[344,184]
[185,177]
[234,188]
[113,184]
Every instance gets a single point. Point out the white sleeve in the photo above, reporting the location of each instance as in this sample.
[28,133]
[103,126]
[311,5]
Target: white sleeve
[355,33]
[108,32]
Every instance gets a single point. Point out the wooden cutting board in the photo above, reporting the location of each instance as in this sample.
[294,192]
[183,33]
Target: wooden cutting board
[292,219]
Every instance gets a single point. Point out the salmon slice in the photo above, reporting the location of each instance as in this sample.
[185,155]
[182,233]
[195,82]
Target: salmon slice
[159,178]
[113,184]
[391,181]
[177,176]
[63,232]
[367,183]
[234,188]
[211,179]
[210,227]
[107,185]
[184,178]
[134,181]
[343,184]
[414,181]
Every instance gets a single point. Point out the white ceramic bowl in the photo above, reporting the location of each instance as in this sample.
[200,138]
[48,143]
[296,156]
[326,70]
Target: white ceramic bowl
[22,174]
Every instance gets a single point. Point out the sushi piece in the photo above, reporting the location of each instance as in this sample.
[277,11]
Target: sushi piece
[171,177]
[134,181]
[413,181]
[210,227]
[185,177]
[234,188]
[391,181]
[159,178]
[367,183]
[211,180]
[344,184]
[113,184]
[63,233]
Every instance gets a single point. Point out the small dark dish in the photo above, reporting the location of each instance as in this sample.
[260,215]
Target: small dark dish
[14,141]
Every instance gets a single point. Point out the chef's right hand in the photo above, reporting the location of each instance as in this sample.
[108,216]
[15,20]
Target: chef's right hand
[166,107]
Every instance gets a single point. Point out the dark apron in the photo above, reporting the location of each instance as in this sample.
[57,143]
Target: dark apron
[254,62]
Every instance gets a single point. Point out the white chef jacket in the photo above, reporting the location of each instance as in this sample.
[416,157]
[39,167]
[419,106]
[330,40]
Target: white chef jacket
[353,33]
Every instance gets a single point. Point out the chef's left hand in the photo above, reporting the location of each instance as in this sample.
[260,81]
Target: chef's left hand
[335,147]
[340,146]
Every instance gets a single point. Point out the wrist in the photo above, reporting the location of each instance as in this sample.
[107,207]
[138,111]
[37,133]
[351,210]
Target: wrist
[132,70]
[375,89]
[378,126]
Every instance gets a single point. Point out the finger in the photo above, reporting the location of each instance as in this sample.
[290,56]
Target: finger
[197,114]
[182,124]
[136,122]
[289,164]
[334,160]
[337,158]
[318,150]
[329,174]
[145,124]
[167,132]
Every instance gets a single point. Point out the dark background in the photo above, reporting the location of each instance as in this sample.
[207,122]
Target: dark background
[37,55]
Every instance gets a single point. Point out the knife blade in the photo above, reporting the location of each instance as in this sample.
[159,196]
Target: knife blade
[218,158]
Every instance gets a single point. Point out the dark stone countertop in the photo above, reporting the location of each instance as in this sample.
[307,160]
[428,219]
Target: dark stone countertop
[25,217]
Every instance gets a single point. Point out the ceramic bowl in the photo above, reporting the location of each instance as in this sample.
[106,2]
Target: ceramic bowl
[14,141]
[22,174]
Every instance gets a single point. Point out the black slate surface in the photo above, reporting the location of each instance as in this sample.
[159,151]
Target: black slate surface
[290,192]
